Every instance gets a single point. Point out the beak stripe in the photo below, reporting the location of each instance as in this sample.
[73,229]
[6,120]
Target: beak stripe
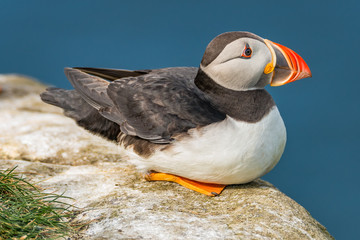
[297,67]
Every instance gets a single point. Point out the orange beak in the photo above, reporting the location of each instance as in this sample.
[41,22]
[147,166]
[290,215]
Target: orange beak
[289,66]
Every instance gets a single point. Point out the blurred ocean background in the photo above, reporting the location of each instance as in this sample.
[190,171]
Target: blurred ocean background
[321,163]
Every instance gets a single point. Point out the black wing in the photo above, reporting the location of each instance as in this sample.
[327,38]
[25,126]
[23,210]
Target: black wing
[112,74]
[152,106]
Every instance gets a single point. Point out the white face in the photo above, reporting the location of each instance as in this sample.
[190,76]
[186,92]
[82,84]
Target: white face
[232,71]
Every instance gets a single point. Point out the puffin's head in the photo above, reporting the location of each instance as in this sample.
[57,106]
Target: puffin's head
[244,61]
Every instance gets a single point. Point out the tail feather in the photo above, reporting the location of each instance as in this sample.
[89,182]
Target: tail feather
[78,109]
[69,100]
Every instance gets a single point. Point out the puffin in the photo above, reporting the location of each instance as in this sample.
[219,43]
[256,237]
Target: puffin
[202,127]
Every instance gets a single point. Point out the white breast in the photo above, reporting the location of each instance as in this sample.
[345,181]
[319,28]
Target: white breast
[227,152]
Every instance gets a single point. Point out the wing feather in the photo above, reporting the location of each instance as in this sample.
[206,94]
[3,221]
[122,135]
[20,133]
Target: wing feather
[159,105]
[112,74]
[152,106]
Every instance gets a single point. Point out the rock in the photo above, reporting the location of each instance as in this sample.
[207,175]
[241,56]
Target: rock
[50,149]
[35,131]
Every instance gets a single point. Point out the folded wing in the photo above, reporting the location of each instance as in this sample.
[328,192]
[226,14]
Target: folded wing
[152,106]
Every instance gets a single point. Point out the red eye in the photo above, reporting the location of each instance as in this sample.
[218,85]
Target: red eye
[247,52]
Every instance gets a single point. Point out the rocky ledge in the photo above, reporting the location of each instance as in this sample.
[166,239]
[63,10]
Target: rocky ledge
[51,150]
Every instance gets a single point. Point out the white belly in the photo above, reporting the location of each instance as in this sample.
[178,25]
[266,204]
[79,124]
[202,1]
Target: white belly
[227,152]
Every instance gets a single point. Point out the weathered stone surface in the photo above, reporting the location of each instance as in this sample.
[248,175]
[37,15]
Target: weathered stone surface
[35,131]
[50,149]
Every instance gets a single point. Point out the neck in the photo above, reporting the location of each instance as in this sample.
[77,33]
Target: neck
[249,106]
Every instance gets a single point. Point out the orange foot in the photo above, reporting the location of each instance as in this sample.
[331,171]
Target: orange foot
[209,189]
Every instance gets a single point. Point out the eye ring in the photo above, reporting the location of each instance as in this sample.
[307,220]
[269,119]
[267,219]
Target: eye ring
[247,53]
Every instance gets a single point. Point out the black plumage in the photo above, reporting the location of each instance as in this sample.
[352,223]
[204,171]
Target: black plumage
[78,109]
[153,105]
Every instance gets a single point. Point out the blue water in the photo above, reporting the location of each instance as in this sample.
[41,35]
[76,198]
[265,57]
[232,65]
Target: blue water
[320,166]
